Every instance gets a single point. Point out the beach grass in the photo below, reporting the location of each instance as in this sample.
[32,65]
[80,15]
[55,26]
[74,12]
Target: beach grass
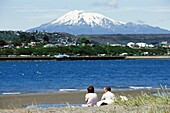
[146,103]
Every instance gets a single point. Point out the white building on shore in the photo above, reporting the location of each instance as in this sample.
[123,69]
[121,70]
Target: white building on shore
[139,45]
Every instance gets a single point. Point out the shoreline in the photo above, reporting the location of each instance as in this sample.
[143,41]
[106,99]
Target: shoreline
[64,58]
[84,58]
[146,57]
[23,100]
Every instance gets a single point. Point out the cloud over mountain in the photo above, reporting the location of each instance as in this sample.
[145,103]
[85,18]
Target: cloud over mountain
[111,3]
[107,3]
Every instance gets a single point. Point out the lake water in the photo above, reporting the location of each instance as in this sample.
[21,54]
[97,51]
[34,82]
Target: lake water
[22,77]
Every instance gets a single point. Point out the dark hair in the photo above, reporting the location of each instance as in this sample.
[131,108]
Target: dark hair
[108,88]
[90,89]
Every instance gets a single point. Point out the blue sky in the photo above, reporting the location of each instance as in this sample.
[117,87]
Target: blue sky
[25,14]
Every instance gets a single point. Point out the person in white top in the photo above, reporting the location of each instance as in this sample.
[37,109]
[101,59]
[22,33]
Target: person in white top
[91,98]
[107,98]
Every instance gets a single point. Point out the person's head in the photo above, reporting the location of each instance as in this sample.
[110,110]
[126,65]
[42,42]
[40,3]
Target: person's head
[107,89]
[90,89]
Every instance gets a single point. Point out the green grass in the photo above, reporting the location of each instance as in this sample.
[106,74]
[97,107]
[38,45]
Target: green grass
[148,102]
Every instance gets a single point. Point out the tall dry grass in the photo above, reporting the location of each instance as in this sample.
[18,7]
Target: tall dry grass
[148,103]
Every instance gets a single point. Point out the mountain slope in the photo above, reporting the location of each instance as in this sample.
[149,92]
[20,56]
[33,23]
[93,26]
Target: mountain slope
[79,22]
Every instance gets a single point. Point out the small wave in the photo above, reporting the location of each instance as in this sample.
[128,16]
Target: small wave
[162,94]
[68,90]
[139,87]
[11,93]
[120,88]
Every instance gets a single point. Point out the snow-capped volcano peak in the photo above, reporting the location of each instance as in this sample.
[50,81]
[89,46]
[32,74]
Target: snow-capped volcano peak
[80,22]
[79,17]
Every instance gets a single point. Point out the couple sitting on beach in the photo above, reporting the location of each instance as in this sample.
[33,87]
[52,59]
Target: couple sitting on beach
[91,98]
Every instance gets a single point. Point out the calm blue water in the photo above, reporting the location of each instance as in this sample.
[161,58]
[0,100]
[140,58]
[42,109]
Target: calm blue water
[53,76]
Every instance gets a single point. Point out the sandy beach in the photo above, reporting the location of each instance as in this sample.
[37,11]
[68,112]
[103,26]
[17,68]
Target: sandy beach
[17,103]
[20,101]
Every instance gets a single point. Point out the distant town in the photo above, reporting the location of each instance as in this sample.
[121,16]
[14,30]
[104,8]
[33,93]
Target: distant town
[45,44]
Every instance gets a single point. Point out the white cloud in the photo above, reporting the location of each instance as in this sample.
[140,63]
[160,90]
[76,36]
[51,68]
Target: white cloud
[111,3]
[107,3]
[148,9]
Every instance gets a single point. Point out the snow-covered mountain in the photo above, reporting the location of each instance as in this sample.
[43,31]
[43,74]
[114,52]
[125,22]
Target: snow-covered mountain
[79,22]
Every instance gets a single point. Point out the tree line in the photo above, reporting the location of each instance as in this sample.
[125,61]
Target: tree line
[90,50]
